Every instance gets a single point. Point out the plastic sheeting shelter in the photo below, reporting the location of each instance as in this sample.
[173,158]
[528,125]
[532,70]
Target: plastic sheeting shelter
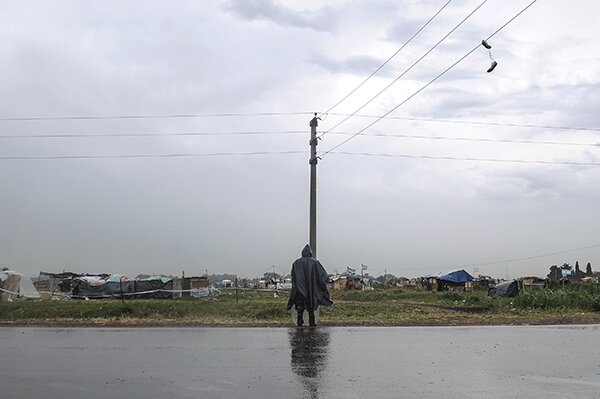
[456,276]
[508,289]
[449,280]
[201,292]
[15,285]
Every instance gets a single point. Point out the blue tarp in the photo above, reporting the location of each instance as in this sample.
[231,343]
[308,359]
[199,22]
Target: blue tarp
[455,276]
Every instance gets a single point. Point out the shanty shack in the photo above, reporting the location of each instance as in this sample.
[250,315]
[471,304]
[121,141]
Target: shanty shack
[14,285]
[450,281]
[117,286]
[192,284]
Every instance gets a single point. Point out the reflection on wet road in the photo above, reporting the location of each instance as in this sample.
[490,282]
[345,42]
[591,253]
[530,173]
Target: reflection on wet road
[309,356]
[338,362]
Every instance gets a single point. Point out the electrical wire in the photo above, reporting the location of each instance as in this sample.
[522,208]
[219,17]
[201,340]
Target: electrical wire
[483,123]
[399,135]
[241,114]
[408,69]
[428,83]
[446,158]
[180,155]
[288,132]
[82,135]
[260,153]
[533,257]
[388,60]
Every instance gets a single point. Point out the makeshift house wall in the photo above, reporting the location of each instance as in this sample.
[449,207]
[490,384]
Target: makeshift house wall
[176,283]
[130,289]
[16,285]
[339,284]
[190,283]
[10,284]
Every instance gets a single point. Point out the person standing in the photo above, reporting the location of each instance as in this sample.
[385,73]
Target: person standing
[309,287]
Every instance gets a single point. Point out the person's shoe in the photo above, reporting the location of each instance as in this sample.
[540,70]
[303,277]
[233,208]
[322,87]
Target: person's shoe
[300,321]
[311,320]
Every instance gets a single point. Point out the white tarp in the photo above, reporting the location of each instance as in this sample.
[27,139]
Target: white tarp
[17,285]
[201,292]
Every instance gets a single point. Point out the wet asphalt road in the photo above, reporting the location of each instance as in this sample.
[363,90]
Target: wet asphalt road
[336,362]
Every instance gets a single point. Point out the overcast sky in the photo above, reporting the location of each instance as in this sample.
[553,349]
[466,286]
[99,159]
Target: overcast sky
[245,214]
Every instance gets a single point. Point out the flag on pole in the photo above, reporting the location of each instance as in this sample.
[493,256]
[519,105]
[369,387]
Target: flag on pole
[363,267]
[350,270]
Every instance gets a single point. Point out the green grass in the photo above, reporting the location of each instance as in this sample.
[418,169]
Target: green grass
[382,306]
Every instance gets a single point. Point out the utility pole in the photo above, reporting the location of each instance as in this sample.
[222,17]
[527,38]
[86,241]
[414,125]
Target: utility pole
[313,185]
[384,277]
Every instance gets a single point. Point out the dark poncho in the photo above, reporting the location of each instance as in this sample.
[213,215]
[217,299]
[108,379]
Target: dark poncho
[309,279]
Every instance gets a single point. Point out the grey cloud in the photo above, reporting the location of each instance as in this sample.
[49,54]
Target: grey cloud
[271,10]
[581,106]
[361,65]
[533,183]
[403,30]
[520,183]
[446,103]
[577,102]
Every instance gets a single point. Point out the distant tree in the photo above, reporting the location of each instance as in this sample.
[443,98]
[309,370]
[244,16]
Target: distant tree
[555,273]
[588,270]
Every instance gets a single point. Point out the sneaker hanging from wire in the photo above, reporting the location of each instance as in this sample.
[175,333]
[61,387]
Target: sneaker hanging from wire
[494,63]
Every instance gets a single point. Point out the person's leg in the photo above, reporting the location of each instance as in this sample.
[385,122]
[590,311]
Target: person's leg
[311,318]
[300,313]
[300,309]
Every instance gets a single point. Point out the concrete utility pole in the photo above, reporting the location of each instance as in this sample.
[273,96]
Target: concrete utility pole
[313,185]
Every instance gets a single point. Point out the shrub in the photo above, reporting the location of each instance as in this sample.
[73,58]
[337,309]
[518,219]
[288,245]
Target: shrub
[560,299]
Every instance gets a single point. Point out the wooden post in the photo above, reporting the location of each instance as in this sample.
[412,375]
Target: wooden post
[121,286]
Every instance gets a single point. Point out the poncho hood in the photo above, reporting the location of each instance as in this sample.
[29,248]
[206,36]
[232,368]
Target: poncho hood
[307,252]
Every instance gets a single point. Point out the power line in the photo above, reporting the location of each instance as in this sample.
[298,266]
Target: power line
[428,83]
[180,155]
[216,115]
[259,153]
[534,257]
[388,60]
[483,123]
[81,135]
[466,122]
[408,69]
[446,158]
[472,139]
[285,132]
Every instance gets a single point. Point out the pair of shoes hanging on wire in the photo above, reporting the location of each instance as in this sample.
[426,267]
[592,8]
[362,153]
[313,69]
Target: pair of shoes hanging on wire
[492,60]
